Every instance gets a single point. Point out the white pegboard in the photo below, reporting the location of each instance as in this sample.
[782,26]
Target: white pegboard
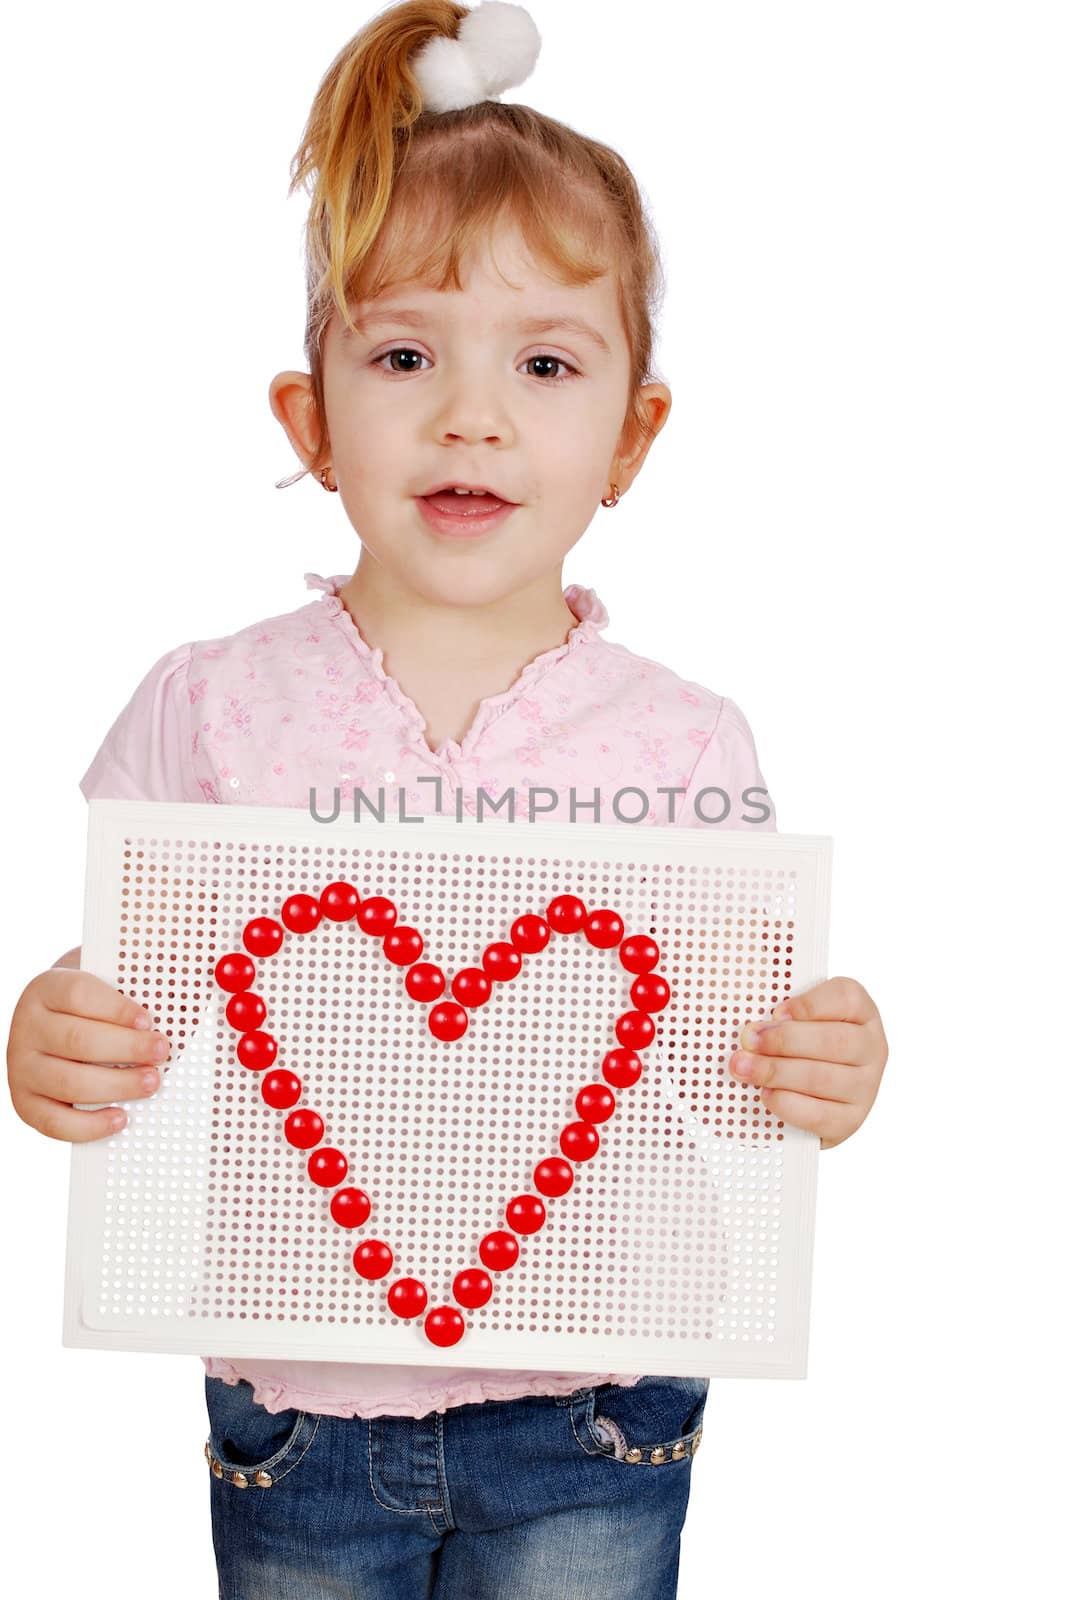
[684,1245]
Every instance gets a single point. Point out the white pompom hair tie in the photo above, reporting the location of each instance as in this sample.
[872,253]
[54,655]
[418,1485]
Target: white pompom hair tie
[496,48]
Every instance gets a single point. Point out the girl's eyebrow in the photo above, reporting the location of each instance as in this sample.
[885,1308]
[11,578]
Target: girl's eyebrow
[549,324]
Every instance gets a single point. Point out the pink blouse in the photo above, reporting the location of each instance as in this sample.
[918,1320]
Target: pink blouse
[300,702]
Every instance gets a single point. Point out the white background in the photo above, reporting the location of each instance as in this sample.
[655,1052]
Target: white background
[853,524]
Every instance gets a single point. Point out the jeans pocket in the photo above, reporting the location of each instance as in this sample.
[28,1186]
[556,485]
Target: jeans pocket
[654,1422]
[249,1446]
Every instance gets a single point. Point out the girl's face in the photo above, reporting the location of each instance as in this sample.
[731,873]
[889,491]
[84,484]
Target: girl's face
[450,386]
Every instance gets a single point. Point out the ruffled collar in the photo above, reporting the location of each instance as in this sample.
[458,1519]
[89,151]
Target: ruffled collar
[592,618]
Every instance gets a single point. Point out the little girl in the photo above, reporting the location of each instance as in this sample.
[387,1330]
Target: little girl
[480,286]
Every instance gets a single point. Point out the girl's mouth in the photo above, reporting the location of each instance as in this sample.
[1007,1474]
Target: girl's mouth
[463,516]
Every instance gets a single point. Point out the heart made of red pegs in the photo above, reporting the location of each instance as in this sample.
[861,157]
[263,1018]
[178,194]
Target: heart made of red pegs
[448,1020]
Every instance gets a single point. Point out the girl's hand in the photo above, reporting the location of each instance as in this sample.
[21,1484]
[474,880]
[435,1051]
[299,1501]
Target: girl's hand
[65,1022]
[820,1067]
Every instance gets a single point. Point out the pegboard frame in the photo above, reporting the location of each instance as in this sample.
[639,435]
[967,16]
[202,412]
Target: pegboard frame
[111,822]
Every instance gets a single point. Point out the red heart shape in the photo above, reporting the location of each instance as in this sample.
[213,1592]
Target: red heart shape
[448,1020]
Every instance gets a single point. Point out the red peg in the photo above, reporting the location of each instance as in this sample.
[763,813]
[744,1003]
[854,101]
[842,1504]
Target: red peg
[634,1030]
[472,1288]
[407,1297]
[471,987]
[448,1020]
[280,1089]
[327,1167]
[424,982]
[639,953]
[339,901]
[262,936]
[499,1250]
[301,913]
[377,915]
[373,1258]
[595,1102]
[566,913]
[579,1141]
[553,1176]
[621,1068]
[445,1325]
[256,1050]
[526,1213]
[246,1011]
[649,992]
[501,962]
[604,929]
[235,972]
[303,1128]
[402,946]
[530,934]
[350,1207]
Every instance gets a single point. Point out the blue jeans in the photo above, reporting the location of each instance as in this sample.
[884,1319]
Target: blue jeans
[548,1497]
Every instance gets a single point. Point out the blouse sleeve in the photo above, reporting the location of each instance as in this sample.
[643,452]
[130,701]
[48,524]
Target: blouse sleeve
[147,753]
[728,767]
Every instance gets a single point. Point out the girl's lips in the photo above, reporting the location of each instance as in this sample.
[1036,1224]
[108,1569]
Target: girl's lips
[458,524]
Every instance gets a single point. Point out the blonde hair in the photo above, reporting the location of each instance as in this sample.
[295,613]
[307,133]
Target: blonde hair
[401,192]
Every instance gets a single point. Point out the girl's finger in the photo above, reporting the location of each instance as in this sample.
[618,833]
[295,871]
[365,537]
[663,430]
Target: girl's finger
[82,1038]
[845,1042]
[836,999]
[822,1080]
[66,1082]
[832,1121]
[82,994]
[58,1121]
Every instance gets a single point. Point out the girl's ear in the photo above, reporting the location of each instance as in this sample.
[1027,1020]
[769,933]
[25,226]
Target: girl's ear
[656,400]
[290,397]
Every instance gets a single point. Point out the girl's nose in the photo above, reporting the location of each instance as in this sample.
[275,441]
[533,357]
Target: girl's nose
[472,411]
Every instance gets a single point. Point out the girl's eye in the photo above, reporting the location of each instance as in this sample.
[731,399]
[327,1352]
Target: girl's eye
[555,361]
[404,350]
[399,350]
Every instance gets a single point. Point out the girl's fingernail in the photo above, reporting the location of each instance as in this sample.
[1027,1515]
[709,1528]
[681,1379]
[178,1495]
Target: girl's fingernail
[742,1065]
[143,1020]
[782,1010]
